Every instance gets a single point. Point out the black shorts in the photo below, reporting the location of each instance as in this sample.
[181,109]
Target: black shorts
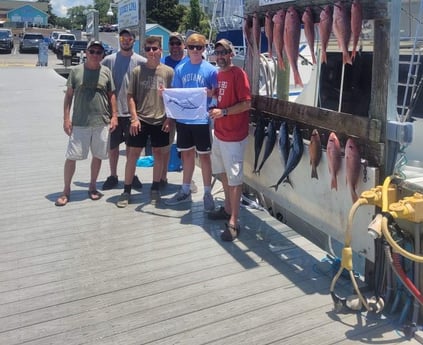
[121,132]
[158,138]
[190,136]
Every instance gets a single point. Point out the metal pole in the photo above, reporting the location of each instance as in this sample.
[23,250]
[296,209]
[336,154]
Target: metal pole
[142,24]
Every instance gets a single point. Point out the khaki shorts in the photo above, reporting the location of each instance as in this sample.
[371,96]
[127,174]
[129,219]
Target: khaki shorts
[228,157]
[84,139]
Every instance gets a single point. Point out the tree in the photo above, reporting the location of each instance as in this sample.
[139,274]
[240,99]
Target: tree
[167,13]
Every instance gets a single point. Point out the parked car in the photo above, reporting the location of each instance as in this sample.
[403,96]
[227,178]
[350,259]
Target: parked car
[53,37]
[61,38]
[108,49]
[75,48]
[6,40]
[30,42]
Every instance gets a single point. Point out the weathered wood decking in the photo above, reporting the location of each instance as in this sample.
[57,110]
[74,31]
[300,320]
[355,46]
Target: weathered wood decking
[90,273]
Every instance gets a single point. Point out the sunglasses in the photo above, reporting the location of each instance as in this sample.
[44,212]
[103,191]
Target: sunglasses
[147,49]
[221,52]
[192,47]
[176,43]
[125,39]
[95,52]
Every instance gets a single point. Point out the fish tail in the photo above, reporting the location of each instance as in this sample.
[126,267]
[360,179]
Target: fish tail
[346,58]
[334,183]
[324,57]
[354,195]
[287,180]
[275,186]
[281,64]
[297,78]
[314,173]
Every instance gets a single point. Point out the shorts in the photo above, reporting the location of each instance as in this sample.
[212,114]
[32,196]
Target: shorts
[121,132]
[228,157]
[157,137]
[190,136]
[84,139]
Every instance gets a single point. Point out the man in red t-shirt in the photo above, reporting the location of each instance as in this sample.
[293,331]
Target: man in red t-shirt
[231,122]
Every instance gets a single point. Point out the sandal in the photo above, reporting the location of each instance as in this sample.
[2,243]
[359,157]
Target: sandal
[231,232]
[62,200]
[95,195]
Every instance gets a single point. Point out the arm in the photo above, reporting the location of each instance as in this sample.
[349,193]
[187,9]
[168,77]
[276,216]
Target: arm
[113,105]
[67,123]
[135,122]
[234,109]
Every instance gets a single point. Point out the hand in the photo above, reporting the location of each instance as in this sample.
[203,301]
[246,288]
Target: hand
[135,127]
[67,127]
[215,113]
[113,123]
[168,125]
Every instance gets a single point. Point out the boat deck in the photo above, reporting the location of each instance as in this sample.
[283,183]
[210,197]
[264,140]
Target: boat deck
[90,273]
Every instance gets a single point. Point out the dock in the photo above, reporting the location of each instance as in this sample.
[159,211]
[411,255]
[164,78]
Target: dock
[91,273]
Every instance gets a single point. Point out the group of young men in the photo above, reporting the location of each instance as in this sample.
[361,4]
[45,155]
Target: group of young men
[120,99]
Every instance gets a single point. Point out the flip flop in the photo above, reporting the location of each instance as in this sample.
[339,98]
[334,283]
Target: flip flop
[95,195]
[62,200]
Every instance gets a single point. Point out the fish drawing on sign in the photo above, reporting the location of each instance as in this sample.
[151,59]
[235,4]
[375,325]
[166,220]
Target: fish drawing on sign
[259,134]
[295,154]
[353,166]
[183,104]
[270,143]
[325,28]
[315,152]
[333,151]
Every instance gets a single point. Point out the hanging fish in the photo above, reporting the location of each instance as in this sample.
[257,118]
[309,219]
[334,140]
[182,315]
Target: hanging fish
[268,30]
[315,152]
[325,28]
[278,32]
[259,135]
[342,30]
[333,151]
[356,22]
[256,32]
[291,41]
[353,166]
[270,143]
[308,22]
[295,154]
[284,142]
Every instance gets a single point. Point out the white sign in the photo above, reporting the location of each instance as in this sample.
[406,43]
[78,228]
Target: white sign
[186,103]
[128,12]
[271,2]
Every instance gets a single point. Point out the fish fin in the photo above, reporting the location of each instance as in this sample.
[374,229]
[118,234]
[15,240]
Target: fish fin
[334,183]
[287,180]
[314,173]
[346,58]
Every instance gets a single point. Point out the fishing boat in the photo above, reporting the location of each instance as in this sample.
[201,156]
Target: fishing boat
[374,106]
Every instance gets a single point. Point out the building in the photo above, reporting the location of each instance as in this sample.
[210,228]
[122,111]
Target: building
[19,14]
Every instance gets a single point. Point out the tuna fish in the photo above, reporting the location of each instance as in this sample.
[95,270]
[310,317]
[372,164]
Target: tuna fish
[278,32]
[291,41]
[268,30]
[333,151]
[325,28]
[356,22]
[308,22]
[315,152]
[353,166]
[284,143]
[259,135]
[270,143]
[295,154]
[342,30]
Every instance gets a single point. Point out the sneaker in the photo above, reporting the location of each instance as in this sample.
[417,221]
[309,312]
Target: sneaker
[193,187]
[136,183]
[111,182]
[218,214]
[179,198]
[123,200]
[208,202]
[163,183]
[154,196]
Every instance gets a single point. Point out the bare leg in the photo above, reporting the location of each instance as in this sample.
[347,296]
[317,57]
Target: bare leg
[206,170]
[235,200]
[69,170]
[133,153]
[158,163]
[95,169]
[165,158]
[188,163]
[113,160]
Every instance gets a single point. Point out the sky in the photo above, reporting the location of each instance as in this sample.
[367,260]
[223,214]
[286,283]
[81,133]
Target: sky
[60,7]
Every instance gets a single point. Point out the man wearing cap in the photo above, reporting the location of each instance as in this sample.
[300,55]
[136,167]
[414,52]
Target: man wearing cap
[121,64]
[193,135]
[91,88]
[231,119]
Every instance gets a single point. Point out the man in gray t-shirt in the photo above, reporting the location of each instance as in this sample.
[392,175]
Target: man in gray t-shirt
[121,64]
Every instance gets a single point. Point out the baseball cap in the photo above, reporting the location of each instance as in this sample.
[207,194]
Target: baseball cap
[126,31]
[225,44]
[176,35]
[95,43]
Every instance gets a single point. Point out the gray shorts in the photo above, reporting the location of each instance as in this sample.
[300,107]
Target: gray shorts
[84,139]
[228,157]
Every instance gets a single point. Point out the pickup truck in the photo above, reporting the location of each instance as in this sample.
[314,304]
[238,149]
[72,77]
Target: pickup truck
[75,48]
[61,38]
